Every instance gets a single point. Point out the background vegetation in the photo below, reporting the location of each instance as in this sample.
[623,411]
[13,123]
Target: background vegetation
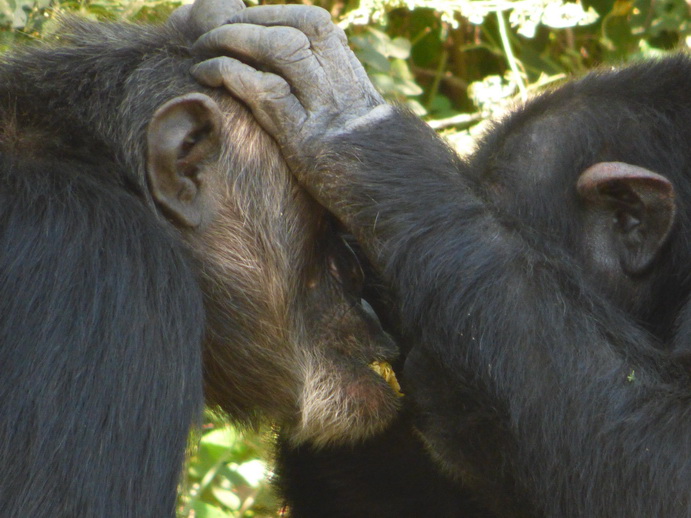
[456,63]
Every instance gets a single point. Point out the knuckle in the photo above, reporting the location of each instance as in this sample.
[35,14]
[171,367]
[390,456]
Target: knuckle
[215,39]
[249,81]
[211,72]
[224,66]
[290,45]
[275,84]
[317,15]
[292,37]
[338,34]
[319,20]
[212,42]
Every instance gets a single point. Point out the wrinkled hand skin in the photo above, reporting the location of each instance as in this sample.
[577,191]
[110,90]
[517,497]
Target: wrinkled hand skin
[291,65]
[308,88]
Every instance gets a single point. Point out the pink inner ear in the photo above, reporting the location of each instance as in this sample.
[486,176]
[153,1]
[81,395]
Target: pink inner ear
[633,208]
[642,181]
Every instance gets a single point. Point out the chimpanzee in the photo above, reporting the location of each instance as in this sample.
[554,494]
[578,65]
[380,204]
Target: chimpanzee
[543,284]
[153,245]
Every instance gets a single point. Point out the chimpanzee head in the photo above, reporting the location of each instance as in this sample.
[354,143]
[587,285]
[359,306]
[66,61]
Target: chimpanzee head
[287,335]
[600,170]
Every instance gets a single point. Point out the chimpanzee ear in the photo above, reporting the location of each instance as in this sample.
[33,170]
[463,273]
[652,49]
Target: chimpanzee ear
[639,208]
[182,134]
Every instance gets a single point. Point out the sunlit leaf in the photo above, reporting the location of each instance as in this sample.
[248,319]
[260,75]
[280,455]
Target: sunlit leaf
[253,471]
[204,510]
[370,57]
[399,48]
[406,87]
[227,497]
[383,83]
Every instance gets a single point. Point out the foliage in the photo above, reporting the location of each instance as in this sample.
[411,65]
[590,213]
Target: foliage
[228,474]
[474,58]
[454,62]
[22,20]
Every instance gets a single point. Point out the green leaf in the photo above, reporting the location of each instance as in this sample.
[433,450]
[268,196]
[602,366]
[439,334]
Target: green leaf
[399,48]
[253,471]
[406,87]
[440,103]
[399,68]
[225,437]
[379,40]
[227,497]
[373,59]
[416,107]
[383,83]
[204,510]
[228,477]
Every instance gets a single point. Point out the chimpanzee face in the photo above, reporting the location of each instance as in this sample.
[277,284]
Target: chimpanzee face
[287,334]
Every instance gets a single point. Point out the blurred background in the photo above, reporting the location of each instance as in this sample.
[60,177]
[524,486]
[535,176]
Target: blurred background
[456,63]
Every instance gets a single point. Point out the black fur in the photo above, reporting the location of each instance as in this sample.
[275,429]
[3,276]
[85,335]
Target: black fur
[115,317]
[388,476]
[102,316]
[109,318]
[542,388]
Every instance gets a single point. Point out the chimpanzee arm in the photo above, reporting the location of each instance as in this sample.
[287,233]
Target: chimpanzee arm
[580,414]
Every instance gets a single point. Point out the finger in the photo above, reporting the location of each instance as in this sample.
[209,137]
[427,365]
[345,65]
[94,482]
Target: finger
[327,39]
[208,14]
[283,50]
[267,95]
[315,22]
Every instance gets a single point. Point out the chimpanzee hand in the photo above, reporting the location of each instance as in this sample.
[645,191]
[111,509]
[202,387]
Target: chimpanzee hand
[321,90]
